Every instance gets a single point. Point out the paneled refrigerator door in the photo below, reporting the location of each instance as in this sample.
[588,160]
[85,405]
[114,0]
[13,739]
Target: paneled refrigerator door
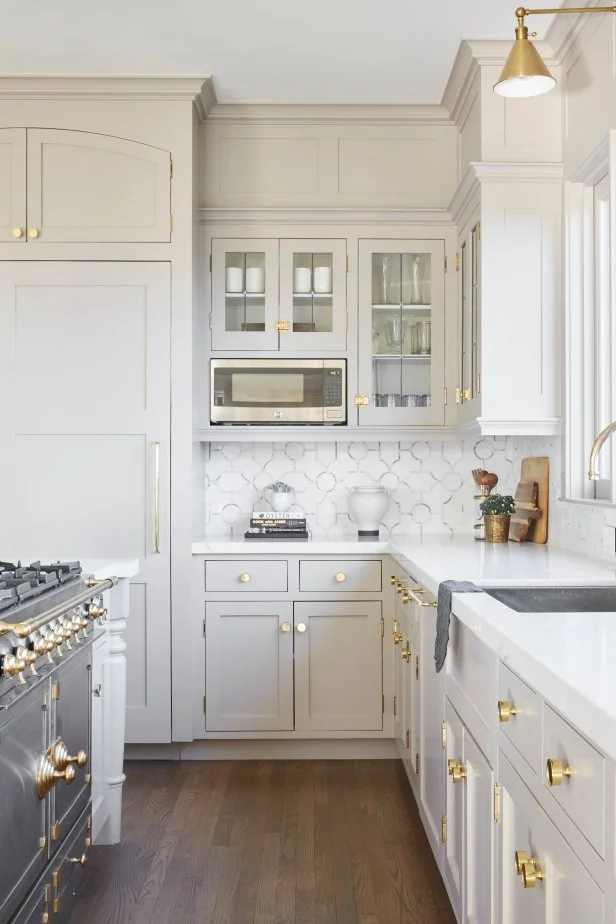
[313,295]
[401,332]
[244,294]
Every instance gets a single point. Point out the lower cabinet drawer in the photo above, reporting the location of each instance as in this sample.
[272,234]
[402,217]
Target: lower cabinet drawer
[519,715]
[574,772]
[246,576]
[343,576]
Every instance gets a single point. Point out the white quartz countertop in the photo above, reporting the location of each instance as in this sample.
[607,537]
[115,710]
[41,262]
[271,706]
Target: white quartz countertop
[103,567]
[567,657]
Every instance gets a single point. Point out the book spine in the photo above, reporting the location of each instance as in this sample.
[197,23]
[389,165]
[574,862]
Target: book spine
[274,515]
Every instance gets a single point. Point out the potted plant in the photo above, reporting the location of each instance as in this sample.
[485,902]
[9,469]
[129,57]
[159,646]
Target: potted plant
[496,510]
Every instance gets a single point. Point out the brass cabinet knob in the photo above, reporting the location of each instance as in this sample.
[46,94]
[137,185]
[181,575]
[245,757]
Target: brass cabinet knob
[393,579]
[397,635]
[244,577]
[17,232]
[33,233]
[406,597]
[82,860]
[556,772]
[520,859]
[531,874]
[47,775]
[285,627]
[340,577]
[506,711]
[456,770]
[301,627]
[406,653]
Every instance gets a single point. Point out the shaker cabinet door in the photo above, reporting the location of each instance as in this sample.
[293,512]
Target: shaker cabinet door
[13,185]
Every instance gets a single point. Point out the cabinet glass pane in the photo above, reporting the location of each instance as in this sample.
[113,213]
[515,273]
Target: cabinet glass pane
[474,384]
[244,291]
[313,300]
[464,308]
[401,329]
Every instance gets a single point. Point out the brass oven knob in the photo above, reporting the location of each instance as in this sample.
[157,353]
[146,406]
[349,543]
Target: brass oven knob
[506,711]
[97,612]
[82,860]
[24,654]
[58,641]
[47,775]
[556,772]
[61,758]
[43,646]
[14,667]
[67,635]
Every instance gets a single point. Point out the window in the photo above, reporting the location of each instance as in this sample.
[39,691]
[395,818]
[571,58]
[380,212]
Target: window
[590,373]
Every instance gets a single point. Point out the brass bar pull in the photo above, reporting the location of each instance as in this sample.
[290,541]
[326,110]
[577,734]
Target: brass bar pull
[157,496]
[416,599]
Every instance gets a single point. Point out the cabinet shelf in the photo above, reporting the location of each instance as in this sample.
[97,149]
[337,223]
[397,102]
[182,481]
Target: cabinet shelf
[244,294]
[403,306]
[312,294]
[416,357]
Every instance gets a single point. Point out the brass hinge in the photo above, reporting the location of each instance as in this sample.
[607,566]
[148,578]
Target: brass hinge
[457,263]
[444,829]
[408,739]
[347,263]
[56,905]
[444,735]
[171,166]
[46,894]
[417,667]
[445,397]
[55,878]
[55,690]
[90,823]
[395,705]
[55,831]
[43,842]
[383,704]
[210,263]
[382,627]
[89,780]
[204,625]
[205,705]
[497,803]
[417,763]
[170,223]
[445,264]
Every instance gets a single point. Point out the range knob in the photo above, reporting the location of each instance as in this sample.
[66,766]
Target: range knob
[95,611]
[83,624]
[29,657]
[53,635]
[14,667]
[43,645]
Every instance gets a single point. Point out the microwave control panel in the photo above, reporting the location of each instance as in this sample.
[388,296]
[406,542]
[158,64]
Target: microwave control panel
[332,388]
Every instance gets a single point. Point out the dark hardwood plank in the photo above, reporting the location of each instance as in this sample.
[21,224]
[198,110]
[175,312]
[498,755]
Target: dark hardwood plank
[266,842]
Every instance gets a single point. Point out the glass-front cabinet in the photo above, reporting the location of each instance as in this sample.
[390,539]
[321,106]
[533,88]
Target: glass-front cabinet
[401,332]
[287,295]
[469,265]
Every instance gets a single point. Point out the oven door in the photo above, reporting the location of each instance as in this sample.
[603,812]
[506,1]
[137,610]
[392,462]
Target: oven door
[278,391]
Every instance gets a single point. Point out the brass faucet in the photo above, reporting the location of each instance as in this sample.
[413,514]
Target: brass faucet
[593,474]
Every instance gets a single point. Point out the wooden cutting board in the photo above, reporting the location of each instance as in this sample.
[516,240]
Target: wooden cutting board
[526,511]
[537,469]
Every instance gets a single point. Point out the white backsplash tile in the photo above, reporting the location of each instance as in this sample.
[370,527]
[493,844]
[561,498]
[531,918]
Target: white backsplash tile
[431,484]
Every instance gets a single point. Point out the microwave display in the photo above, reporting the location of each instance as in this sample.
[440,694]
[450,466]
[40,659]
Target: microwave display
[262,391]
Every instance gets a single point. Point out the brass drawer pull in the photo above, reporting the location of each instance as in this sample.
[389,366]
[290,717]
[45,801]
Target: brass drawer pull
[244,577]
[506,711]
[285,627]
[340,577]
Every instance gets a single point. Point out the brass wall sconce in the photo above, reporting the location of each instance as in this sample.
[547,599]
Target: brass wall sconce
[525,73]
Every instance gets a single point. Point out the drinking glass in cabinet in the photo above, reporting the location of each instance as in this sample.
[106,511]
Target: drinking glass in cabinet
[244,291]
[416,278]
[313,306]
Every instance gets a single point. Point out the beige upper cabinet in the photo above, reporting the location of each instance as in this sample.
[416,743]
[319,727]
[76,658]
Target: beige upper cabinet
[82,187]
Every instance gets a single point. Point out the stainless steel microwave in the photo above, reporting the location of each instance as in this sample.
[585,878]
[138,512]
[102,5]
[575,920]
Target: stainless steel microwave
[278,391]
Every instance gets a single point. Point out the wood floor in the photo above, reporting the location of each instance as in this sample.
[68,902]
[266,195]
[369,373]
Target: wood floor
[266,842]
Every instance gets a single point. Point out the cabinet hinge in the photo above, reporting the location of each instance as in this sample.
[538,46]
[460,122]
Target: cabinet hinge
[56,905]
[445,264]
[445,397]
[382,627]
[408,739]
[210,263]
[347,263]
[395,705]
[171,166]
[497,803]
[457,263]
[43,843]
[444,735]
[170,222]
[204,625]
[210,319]
[417,667]
[55,691]
[383,704]
[444,829]
[204,705]
[55,831]
[417,763]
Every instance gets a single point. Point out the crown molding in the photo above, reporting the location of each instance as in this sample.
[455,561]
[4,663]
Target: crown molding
[478,174]
[313,113]
[565,30]
[463,200]
[108,87]
[306,217]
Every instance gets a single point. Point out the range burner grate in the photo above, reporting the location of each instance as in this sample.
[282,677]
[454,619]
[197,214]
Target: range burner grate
[19,583]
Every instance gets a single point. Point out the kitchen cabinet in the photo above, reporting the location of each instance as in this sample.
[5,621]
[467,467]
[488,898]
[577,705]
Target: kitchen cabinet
[402,668]
[468,264]
[249,666]
[286,295]
[78,186]
[85,386]
[541,880]
[401,323]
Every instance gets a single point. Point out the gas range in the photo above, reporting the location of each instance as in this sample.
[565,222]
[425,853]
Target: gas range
[19,583]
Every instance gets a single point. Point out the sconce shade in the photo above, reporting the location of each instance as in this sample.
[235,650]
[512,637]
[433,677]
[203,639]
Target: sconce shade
[524,73]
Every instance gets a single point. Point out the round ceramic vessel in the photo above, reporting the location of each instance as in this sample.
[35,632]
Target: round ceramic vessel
[367,507]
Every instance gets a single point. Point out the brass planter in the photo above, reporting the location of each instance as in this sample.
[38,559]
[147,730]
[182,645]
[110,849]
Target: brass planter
[497,527]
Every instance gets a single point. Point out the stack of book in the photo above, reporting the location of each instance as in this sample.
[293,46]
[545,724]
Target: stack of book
[271,524]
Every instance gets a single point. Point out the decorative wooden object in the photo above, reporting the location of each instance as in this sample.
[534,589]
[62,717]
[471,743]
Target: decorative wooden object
[526,510]
[537,469]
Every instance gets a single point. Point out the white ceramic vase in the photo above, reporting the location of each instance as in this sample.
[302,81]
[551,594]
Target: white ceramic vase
[367,507]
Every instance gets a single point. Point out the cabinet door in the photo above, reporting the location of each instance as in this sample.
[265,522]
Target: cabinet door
[563,892]
[244,310]
[469,250]
[480,835]
[313,295]
[401,674]
[453,864]
[338,667]
[414,707]
[249,667]
[432,699]
[402,332]
[84,186]
[84,414]
[13,185]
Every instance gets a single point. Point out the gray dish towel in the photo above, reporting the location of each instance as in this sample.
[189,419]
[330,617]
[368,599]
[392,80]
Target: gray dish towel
[443,614]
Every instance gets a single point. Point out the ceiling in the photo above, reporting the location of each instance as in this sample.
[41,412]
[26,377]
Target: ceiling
[322,51]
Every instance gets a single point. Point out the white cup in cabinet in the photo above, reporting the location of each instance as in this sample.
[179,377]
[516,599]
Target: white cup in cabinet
[323,280]
[302,280]
[234,279]
[255,279]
